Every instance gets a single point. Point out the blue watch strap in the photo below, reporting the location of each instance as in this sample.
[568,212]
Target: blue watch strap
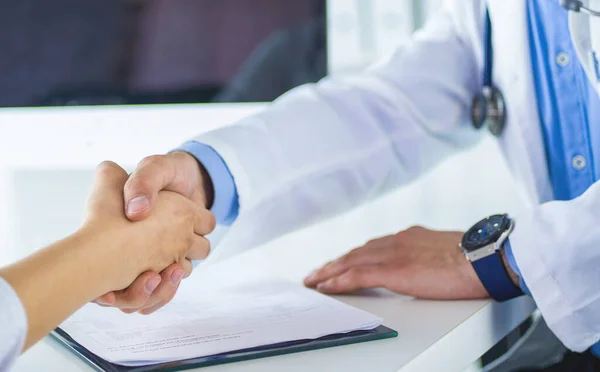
[495,278]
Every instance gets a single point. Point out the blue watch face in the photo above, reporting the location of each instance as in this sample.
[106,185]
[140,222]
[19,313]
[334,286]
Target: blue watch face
[485,232]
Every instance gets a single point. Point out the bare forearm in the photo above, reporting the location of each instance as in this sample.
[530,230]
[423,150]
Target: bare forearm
[56,281]
[513,276]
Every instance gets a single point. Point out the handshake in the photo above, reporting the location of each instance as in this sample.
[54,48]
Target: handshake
[152,225]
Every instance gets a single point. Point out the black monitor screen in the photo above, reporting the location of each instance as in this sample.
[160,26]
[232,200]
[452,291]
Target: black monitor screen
[101,52]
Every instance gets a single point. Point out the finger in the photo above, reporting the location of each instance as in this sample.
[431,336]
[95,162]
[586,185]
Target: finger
[107,299]
[101,305]
[188,267]
[371,276]
[177,172]
[151,309]
[164,293]
[204,221]
[139,292]
[369,254]
[108,185]
[199,250]
[152,175]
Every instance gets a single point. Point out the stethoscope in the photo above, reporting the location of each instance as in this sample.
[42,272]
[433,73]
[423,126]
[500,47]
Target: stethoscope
[577,6]
[489,107]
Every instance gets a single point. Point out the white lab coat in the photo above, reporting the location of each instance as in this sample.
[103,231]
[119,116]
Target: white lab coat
[322,149]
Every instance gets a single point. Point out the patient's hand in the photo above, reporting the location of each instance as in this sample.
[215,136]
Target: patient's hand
[173,234]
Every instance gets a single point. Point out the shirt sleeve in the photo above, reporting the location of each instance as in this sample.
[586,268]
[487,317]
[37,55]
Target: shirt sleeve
[13,322]
[225,205]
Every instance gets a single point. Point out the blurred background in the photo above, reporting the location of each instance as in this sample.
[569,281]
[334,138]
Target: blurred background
[73,52]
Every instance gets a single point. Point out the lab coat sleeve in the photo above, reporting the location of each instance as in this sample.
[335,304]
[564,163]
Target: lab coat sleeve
[324,148]
[13,325]
[557,248]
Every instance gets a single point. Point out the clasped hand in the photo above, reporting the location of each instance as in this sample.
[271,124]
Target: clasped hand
[170,238]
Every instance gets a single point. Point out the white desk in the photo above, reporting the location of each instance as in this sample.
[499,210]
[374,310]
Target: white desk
[45,186]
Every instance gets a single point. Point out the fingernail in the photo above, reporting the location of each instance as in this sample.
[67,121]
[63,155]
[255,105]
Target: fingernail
[324,286]
[312,276]
[138,204]
[176,277]
[151,285]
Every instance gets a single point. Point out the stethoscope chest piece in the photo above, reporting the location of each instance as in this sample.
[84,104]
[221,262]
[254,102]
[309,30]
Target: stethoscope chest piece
[489,110]
[489,107]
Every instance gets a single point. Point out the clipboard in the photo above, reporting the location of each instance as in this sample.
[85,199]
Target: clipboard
[102,365]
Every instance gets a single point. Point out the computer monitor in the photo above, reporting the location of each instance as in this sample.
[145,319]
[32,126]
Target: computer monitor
[105,52]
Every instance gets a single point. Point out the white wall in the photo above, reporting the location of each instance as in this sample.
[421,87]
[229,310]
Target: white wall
[362,31]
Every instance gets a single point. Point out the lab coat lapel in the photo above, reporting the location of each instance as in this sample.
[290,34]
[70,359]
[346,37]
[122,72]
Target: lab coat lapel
[522,140]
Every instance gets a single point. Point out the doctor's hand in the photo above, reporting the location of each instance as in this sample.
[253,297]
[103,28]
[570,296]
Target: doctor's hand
[177,172]
[417,262]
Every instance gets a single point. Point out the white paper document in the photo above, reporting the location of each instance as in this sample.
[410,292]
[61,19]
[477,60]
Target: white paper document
[206,322]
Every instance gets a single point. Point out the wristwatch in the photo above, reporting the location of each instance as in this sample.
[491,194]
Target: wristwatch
[482,244]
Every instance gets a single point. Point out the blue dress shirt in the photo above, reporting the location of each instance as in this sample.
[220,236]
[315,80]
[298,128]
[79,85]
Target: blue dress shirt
[226,201]
[567,105]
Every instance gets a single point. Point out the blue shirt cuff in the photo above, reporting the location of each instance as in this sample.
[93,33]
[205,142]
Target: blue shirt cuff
[510,257]
[226,201]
